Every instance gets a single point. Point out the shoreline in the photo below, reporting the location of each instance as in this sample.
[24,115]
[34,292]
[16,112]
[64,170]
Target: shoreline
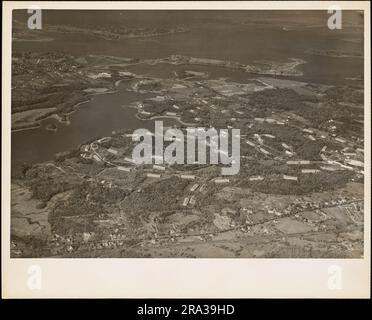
[293,64]
[178,118]
[166,117]
[117,36]
[56,116]
[291,72]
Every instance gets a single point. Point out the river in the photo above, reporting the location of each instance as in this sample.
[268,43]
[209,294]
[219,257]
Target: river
[96,118]
[227,36]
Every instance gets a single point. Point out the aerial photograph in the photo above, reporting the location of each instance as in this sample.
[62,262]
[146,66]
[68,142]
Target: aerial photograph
[281,88]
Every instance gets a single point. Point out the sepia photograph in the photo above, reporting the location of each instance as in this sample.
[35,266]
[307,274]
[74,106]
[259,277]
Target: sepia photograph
[225,134]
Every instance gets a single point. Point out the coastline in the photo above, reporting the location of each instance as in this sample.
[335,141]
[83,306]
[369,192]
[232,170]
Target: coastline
[56,116]
[291,67]
[167,117]
[178,118]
